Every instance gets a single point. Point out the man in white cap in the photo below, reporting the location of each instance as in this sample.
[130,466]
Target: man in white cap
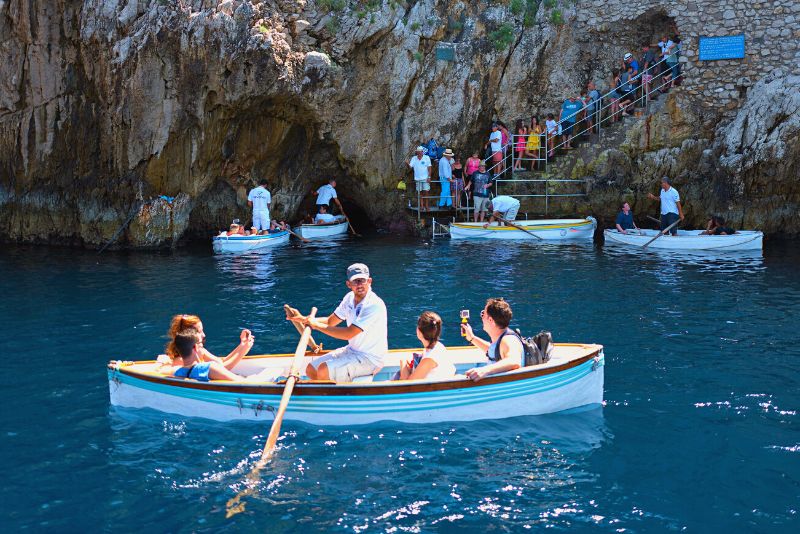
[502,207]
[421,165]
[365,333]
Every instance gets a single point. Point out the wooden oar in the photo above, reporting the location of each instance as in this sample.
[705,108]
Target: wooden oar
[301,238]
[519,228]
[292,312]
[235,504]
[664,231]
[350,225]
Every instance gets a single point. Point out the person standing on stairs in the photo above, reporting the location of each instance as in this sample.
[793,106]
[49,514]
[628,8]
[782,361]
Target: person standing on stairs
[446,178]
[570,112]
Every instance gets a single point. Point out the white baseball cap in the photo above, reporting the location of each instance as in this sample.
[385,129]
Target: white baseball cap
[356,271]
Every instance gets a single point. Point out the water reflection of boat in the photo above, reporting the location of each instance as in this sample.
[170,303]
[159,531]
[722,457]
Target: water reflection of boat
[573,378]
[687,240]
[227,244]
[743,261]
[534,230]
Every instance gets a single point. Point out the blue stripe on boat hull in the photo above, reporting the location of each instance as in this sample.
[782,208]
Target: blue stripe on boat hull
[572,388]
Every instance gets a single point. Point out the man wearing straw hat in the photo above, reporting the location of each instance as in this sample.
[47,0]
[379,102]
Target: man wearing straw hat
[365,333]
[446,178]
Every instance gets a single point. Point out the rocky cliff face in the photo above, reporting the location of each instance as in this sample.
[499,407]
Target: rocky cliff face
[107,104]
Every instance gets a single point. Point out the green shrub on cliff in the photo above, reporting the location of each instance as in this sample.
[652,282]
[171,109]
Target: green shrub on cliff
[502,37]
[517,7]
[332,5]
[556,17]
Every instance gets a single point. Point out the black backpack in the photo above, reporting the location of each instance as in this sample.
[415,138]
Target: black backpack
[535,350]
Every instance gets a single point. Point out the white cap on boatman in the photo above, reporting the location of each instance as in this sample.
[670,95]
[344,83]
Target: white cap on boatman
[356,271]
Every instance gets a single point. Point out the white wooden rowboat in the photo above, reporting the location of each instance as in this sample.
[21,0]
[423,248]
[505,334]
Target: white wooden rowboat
[572,379]
[323,231]
[546,229]
[245,243]
[687,240]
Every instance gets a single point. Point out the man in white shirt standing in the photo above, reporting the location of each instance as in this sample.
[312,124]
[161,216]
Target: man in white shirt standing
[365,333]
[495,142]
[260,199]
[671,209]
[421,165]
[503,207]
[326,193]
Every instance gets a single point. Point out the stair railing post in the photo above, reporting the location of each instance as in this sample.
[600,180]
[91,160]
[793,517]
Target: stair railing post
[546,196]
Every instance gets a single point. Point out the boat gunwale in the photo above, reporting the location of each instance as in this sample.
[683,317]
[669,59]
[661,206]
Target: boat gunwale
[533,228]
[725,241]
[315,388]
[323,225]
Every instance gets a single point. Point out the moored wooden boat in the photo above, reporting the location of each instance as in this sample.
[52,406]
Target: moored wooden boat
[573,378]
[545,229]
[323,231]
[687,240]
[245,243]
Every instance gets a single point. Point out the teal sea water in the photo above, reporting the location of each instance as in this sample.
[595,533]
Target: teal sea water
[700,430]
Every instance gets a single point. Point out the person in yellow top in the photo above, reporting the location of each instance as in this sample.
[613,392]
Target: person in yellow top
[534,141]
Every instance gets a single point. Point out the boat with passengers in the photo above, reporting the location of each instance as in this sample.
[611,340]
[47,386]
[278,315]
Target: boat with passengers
[686,240]
[323,231]
[572,379]
[231,244]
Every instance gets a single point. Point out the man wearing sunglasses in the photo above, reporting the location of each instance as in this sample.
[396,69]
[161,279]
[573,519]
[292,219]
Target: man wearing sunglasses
[366,332]
[504,351]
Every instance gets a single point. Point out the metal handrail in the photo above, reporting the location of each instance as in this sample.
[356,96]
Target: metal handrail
[599,112]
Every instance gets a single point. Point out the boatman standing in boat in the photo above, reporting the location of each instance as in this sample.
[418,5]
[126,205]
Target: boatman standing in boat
[326,193]
[259,199]
[505,350]
[502,207]
[365,333]
[671,208]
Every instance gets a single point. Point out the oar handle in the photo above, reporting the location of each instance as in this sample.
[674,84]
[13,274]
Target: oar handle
[291,312]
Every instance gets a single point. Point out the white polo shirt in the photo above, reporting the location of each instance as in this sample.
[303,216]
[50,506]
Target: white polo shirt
[420,166]
[325,194]
[324,217]
[496,140]
[503,203]
[370,316]
[260,198]
[669,200]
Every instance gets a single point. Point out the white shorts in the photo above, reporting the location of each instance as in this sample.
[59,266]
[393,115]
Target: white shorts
[423,185]
[261,220]
[345,364]
[511,214]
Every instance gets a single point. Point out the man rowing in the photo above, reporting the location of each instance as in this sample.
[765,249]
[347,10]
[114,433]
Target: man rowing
[503,208]
[366,332]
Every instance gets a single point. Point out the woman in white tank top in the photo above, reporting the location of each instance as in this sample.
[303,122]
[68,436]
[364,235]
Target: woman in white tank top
[433,363]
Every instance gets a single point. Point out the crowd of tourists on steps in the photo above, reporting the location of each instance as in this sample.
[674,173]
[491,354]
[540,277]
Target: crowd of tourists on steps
[538,139]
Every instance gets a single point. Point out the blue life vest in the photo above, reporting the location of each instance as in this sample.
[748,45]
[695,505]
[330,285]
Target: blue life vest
[198,371]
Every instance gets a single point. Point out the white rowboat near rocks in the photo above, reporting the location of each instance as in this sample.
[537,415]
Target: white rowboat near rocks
[534,230]
[323,231]
[687,240]
[232,244]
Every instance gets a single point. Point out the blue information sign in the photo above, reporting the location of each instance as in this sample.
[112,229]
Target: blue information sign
[725,47]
